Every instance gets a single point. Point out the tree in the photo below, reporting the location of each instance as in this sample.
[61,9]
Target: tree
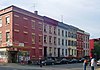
[97,49]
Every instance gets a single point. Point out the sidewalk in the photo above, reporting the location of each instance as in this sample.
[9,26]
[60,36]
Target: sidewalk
[34,67]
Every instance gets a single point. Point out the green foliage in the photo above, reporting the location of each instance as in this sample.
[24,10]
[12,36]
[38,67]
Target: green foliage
[97,48]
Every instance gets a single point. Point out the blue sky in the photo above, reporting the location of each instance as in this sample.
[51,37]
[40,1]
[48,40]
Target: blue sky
[84,14]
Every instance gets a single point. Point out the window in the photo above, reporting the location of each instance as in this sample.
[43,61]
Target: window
[40,26]
[66,34]
[0,37]
[40,39]
[45,26]
[0,22]
[62,41]
[7,36]
[50,31]
[62,32]
[33,24]
[69,34]
[54,40]
[58,41]
[66,51]
[33,38]
[62,52]
[50,38]
[59,32]
[55,30]
[72,51]
[54,51]
[7,20]
[45,38]
[66,42]
[72,43]
[50,51]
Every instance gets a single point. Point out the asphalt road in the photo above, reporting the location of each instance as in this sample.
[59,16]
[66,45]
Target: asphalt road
[77,66]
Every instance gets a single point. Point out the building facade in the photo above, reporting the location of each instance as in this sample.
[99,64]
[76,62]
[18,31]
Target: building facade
[62,39]
[80,43]
[23,33]
[86,46]
[50,37]
[72,39]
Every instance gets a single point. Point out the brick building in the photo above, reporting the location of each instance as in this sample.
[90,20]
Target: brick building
[29,34]
[20,33]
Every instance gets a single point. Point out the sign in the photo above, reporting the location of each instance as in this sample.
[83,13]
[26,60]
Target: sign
[9,43]
[21,44]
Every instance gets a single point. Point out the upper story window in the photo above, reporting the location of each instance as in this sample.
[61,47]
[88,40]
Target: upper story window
[0,37]
[55,30]
[50,39]
[59,32]
[7,20]
[40,26]
[62,41]
[45,28]
[54,40]
[7,36]
[66,34]
[45,38]
[50,29]
[0,22]
[69,34]
[58,41]
[33,38]
[66,42]
[40,39]
[62,32]
[33,24]
[69,43]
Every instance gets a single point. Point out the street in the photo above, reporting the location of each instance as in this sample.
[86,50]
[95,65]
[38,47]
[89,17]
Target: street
[77,66]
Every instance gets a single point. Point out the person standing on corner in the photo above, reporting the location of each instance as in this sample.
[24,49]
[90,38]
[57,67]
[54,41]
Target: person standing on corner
[92,63]
[85,64]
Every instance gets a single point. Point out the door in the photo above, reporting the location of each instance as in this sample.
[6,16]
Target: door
[58,52]
[12,56]
[45,51]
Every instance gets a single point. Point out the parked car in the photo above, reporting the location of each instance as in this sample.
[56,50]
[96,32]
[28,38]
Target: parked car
[98,62]
[62,61]
[73,61]
[48,62]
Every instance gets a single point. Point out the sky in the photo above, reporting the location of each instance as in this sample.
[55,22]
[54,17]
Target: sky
[84,14]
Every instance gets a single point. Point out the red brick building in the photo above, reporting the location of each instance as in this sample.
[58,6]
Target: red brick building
[20,33]
[92,41]
[82,44]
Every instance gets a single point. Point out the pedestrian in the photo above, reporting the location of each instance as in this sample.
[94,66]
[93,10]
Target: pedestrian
[40,62]
[85,63]
[92,63]
[28,59]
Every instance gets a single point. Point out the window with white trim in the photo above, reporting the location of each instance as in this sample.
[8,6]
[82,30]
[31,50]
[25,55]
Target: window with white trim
[7,20]
[0,22]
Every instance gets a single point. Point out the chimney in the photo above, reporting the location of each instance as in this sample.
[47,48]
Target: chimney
[36,12]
